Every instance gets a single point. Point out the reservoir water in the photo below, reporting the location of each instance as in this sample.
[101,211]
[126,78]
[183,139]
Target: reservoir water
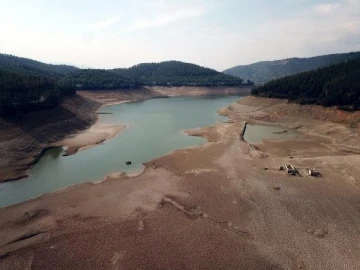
[255,134]
[155,127]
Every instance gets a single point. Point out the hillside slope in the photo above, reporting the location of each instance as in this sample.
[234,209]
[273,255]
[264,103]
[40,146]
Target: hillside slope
[334,85]
[28,85]
[23,138]
[22,92]
[32,67]
[262,72]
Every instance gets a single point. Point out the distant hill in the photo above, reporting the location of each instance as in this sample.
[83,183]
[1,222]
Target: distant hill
[32,67]
[334,85]
[262,72]
[175,73]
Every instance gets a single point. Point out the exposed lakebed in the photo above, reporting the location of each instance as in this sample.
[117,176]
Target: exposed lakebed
[155,127]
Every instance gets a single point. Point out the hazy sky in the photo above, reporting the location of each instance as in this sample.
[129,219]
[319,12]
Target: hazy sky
[214,33]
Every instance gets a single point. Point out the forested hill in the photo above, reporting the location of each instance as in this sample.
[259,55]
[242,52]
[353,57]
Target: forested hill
[175,73]
[265,71]
[334,85]
[32,67]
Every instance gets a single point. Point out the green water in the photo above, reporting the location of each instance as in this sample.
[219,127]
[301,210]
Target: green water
[155,127]
[255,134]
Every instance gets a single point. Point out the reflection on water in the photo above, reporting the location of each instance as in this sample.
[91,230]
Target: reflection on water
[255,134]
[155,127]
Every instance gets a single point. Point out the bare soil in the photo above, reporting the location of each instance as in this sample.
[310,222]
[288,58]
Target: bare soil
[97,134]
[223,205]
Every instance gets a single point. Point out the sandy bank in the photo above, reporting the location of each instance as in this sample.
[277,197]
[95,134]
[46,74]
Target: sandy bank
[117,97]
[95,135]
[200,91]
[148,92]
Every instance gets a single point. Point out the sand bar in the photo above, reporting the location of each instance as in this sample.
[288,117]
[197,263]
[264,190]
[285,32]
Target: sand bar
[95,135]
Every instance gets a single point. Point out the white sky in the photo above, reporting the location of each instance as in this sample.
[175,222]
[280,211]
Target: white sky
[213,33]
